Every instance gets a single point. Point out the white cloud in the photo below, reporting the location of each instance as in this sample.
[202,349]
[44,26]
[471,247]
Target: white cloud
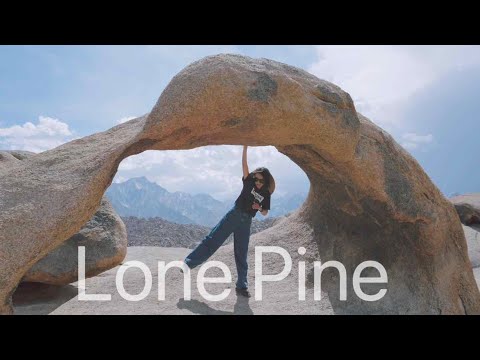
[413,141]
[409,145]
[381,79]
[145,160]
[424,139]
[185,54]
[215,170]
[47,134]
[119,179]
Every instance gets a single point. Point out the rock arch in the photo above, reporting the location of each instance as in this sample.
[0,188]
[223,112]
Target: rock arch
[368,200]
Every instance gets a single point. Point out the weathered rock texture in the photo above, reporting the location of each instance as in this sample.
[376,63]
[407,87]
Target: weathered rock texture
[105,240]
[10,158]
[368,200]
[472,234]
[104,237]
[468,208]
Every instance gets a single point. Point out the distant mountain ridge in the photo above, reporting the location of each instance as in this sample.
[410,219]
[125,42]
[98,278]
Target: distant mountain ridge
[160,232]
[141,198]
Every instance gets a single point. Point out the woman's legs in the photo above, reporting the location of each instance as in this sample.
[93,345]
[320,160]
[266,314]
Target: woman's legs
[214,239]
[241,238]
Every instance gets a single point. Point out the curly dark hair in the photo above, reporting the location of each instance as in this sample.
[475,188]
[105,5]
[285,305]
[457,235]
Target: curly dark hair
[269,180]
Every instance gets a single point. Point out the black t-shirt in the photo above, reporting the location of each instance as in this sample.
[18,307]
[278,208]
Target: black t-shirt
[250,194]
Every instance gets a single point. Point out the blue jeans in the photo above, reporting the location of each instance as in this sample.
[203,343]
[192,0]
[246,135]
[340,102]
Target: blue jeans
[235,221]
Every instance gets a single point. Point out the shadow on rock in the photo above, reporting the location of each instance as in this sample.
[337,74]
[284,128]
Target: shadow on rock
[41,299]
[241,307]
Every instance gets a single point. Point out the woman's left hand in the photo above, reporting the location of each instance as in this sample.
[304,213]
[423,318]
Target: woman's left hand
[256,206]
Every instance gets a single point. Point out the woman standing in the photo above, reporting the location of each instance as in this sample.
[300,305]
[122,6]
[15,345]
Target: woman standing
[258,186]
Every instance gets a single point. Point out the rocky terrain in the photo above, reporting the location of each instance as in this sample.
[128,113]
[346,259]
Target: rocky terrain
[468,209]
[369,199]
[278,297]
[104,237]
[163,233]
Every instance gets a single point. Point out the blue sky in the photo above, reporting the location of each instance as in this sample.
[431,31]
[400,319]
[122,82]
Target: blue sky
[425,96]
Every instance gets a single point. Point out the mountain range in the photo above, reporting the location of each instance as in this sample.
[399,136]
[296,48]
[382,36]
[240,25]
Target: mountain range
[139,197]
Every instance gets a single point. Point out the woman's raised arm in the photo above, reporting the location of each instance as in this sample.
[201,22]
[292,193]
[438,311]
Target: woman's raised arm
[244,162]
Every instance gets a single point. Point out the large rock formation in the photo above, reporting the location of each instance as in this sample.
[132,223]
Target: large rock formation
[105,240]
[18,154]
[104,237]
[10,158]
[368,200]
[473,242]
[468,208]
